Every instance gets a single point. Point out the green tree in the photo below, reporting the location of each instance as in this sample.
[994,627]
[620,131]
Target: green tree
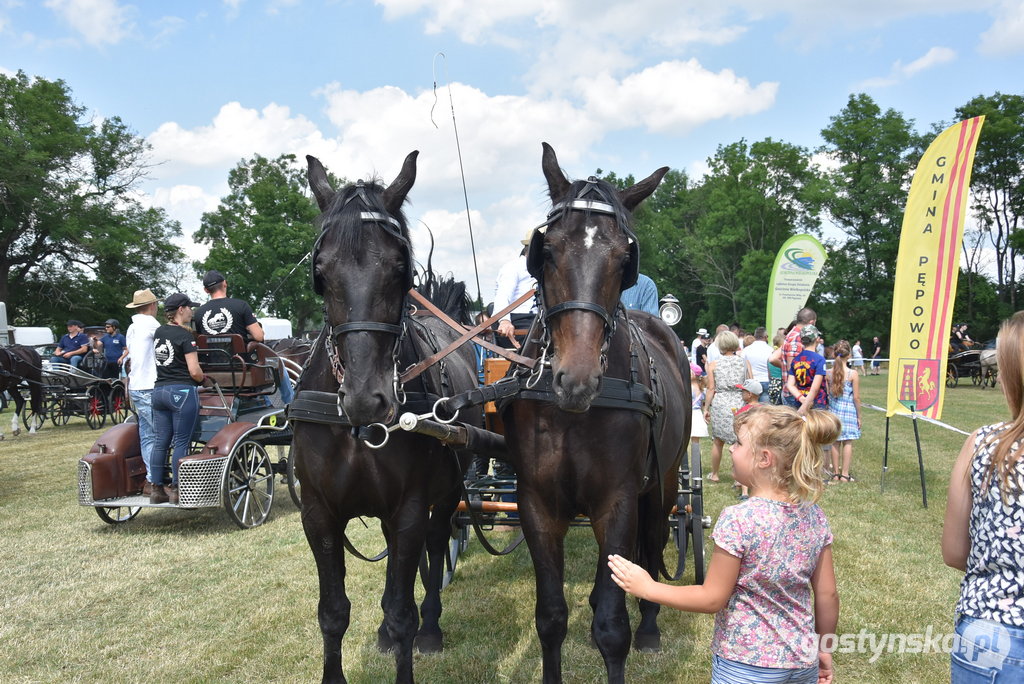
[74,240]
[997,183]
[260,232]
[875,153]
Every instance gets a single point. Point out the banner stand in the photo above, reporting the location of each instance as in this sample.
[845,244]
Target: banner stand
[920,456]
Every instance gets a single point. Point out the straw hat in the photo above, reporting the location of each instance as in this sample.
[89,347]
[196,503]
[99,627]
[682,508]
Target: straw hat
[529,236]
[142,298]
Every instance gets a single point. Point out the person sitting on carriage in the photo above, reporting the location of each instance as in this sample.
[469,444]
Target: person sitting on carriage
[73,346]
[114,350]
[224,315]
[514,280]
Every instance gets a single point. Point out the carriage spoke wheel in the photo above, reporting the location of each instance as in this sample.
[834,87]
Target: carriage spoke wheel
[115,515]
[976,377]
[952,377]
[294,486]
[117,404]
[58,410]
[695,523]
[33,420]
[248,489]
[95,408]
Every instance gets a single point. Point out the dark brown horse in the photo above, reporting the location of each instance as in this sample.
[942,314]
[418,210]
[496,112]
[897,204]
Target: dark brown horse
[22,365]
[363,266]
[606,438]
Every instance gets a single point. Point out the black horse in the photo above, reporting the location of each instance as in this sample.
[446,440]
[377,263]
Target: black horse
[609,422]
[22,364]
[363,266]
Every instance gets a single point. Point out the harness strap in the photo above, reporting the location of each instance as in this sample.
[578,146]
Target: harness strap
[313,406]
[366,326]
[580,306]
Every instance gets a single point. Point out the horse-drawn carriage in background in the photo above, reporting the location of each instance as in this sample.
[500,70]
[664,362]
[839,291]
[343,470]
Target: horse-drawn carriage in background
[977,363]
[241,424]
[74,392]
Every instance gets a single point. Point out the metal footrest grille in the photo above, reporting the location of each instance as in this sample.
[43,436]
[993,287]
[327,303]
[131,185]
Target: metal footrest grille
[84,484]
[199,482]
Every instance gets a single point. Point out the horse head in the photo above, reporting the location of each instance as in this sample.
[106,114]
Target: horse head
[362,264]
[583,257]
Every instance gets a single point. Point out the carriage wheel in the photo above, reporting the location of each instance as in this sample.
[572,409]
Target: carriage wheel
[248,490]
[95,408]
[33,420]
[294,486]
[116,515]
[117,404]
[952,377]
[59,411]
[695,522]
[976,376]
[456,545]
[990,378]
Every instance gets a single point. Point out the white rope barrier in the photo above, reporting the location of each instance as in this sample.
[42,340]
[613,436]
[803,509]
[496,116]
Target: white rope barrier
[918,416]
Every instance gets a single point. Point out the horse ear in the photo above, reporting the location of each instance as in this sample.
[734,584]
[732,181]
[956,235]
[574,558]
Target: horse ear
[395,195]
[318,182]
[558,184]
[633,196]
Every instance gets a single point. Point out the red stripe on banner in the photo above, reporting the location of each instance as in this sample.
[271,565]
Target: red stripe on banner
[938,312]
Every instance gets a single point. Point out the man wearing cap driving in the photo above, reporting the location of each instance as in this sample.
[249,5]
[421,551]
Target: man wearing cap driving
[73,346]
[513,282]
[138,348]
[224,315]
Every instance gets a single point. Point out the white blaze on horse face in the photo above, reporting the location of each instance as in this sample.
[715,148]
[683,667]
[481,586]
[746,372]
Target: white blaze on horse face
[588,241]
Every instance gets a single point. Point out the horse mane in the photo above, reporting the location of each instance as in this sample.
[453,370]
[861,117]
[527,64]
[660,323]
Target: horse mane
[342,216]
[609,194]
[447,294]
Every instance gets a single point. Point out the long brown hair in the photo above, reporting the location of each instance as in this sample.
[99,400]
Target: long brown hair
[835,385]
[1010,355]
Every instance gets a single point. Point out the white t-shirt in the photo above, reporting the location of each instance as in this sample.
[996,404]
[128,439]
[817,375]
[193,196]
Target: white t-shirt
[757,354]
[140,349]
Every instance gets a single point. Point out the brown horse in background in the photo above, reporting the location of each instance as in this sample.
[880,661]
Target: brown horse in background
[618,464]
[20,364]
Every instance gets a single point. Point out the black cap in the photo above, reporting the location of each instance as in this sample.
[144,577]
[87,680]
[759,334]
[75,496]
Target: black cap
[75,321]
[177,300]
[113,322]
[212,278]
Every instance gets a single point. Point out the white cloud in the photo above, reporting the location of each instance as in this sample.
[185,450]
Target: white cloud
[165,28]
[99,22]
[902,72]
[1006,35]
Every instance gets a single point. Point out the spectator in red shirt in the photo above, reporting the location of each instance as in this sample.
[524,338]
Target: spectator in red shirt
[784,355]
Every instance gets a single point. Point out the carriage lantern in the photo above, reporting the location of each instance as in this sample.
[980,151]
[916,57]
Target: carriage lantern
[670,311]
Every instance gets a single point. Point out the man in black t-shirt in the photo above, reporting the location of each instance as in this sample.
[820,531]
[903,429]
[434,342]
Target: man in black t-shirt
[225,315]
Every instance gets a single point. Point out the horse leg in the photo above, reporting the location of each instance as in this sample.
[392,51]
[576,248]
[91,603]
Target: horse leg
[430,637]
[652,535]
[614,529]
[325,540]
[19,406]
[545,535]
[399,603]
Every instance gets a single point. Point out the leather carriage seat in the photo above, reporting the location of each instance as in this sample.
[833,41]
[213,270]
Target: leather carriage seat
[236,368]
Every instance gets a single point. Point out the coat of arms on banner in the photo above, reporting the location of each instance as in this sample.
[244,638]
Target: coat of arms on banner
[919,383]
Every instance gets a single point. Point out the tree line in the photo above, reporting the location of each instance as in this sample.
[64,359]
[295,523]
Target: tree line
[75,240]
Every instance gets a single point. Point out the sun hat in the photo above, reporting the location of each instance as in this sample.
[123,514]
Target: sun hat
[703,332]
[212,278]
[529,236]
[695,369]
[142,298]
[177,300]
[751,385]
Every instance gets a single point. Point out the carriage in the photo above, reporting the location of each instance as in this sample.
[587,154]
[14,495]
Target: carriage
[75,392]
[239,447]
[976,363]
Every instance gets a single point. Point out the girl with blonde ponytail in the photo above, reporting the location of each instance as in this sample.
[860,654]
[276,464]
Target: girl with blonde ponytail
[771,581]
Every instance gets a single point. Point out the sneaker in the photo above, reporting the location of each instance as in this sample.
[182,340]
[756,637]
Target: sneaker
[159,495]
[147,488]
[172,494]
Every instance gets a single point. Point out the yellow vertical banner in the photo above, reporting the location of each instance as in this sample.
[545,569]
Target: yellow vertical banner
[927,270]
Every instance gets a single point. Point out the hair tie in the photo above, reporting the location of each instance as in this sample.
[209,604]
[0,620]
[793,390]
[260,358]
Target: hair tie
[803,417]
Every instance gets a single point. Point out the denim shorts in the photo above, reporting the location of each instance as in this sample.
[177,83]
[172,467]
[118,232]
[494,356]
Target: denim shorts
[731,672]
[986,651]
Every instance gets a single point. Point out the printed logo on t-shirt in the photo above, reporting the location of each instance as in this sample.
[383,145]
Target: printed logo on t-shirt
[218,321]
[163,350]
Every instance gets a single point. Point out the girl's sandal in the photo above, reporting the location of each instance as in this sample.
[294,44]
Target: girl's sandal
[847,478]
[834,479]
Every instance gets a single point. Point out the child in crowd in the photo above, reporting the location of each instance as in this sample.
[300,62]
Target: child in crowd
[771,552]
[750,390]
[844,401]
[806,378]
[698,426]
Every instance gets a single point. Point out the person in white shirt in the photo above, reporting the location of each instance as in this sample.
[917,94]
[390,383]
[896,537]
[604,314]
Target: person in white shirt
[513,282]
[142,376]
[713,353]
[697,341]
[757,354]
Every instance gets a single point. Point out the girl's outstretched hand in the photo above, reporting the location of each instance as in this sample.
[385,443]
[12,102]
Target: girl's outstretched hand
[629,576]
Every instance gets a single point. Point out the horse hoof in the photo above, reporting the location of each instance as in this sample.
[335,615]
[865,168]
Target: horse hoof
[647,643]
[385,644]
[16,432]
[429,643]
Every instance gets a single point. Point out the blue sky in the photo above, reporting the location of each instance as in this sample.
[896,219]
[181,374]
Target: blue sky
[625,87]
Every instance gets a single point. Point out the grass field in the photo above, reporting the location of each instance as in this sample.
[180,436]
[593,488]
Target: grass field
[185,596]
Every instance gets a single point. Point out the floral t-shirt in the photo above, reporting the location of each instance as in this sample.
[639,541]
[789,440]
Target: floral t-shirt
[769,620]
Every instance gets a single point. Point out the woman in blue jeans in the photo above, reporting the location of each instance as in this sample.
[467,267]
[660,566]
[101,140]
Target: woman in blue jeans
[983,533]
[175,401]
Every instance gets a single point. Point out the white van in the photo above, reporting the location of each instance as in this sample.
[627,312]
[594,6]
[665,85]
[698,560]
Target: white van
[275,328]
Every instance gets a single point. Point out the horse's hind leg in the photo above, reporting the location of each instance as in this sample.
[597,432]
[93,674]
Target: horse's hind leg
[325,540]
[430,637]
